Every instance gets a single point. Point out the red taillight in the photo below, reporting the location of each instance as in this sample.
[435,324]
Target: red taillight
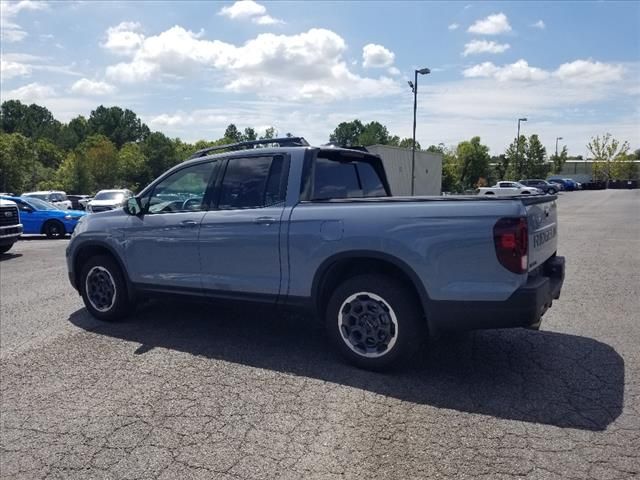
[510,236]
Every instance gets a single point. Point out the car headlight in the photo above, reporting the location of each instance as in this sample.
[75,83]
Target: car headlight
[71,217]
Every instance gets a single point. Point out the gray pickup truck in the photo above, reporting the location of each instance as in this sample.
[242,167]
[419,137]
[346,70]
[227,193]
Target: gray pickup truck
[293,225]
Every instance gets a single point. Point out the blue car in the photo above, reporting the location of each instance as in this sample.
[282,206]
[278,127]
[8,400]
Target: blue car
[568,184]
[42,218]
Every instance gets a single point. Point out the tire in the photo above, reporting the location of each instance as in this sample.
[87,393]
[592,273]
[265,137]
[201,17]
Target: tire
[54,229]
[395,314]
[5,248]
[103,289]
[552,191]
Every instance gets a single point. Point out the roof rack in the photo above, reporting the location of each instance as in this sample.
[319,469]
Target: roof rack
[281,142]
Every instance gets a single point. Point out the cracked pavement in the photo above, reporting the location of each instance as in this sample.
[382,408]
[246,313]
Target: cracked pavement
[195,390]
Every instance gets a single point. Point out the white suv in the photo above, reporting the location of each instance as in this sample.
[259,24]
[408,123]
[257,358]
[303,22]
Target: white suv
[108,200]
[54,197]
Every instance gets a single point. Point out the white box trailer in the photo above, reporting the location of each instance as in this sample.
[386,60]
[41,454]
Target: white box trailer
[397,164]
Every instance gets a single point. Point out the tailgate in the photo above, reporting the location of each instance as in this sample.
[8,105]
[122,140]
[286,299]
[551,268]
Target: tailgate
[542,222]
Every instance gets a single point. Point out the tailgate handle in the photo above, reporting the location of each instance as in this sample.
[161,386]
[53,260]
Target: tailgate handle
[264,220]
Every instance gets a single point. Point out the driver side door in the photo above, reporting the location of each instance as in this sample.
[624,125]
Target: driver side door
[161,244]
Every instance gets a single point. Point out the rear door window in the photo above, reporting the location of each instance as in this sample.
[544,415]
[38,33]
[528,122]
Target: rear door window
[351,179]
[253,182]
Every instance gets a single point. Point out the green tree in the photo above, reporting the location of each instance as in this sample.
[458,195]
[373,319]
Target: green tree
[18,161]
[233,134]
[623,167]
[514,159]
[249,134]
[375,133]
[133,166]
[605,149]
[558,161]
[535,159]
[449,169]
[48,154]
[473,162]
[73,133]
[161,154]
[356,133]
[269,133]
[118,125]
[347,133]
[99,156]
[74,176]
[408,143]
[32,121]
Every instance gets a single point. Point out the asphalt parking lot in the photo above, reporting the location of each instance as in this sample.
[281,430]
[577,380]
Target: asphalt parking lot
[203,391]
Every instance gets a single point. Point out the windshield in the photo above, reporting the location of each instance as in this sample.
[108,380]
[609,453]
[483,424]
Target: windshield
[38,204]
[109,196]
[41,196]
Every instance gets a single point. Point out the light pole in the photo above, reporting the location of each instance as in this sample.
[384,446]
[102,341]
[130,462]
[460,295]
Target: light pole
[414,88]
[557,138]
[518,147]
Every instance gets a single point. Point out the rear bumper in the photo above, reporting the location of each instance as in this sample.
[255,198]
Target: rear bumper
[524,308]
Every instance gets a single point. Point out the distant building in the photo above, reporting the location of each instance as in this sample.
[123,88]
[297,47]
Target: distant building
[397,165]
[580,170]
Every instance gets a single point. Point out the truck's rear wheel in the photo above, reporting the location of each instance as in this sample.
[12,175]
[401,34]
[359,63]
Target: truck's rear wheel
[374,321]
[103,289]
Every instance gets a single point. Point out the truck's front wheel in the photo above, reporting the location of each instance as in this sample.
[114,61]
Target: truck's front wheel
[374,321]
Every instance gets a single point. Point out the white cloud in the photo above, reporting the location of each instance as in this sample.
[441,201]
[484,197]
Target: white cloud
[23,65]
[539,24]
[492,25]
[309,65]
[393,71]
[124,38]
[483,46]
[31,92]
[10,70]
[453,26]
[266,20]
[377,56]
[519,71]
[589,72]
[248,9]
[12,32]
[486,69]
[87,87]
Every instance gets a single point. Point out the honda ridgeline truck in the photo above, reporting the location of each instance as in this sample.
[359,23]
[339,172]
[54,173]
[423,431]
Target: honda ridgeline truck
[317,227]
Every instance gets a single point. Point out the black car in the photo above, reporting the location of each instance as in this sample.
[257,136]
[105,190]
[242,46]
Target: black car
[543,185]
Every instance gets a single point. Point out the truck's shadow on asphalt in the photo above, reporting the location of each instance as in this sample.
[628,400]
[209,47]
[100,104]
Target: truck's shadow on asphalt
[539,377]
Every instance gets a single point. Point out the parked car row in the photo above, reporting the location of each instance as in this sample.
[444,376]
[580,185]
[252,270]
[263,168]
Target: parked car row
[531,187]
[42,218]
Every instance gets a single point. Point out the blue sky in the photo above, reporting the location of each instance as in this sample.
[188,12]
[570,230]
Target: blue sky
[190,68]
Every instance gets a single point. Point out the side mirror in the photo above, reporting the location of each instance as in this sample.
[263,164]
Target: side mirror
[133,206]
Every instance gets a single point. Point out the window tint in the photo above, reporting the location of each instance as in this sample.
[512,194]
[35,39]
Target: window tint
[252,183]
[370,180]
[335,179]
[183,191]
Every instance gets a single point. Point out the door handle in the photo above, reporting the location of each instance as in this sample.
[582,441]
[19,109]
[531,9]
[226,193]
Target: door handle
[264,220]
[188,223]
